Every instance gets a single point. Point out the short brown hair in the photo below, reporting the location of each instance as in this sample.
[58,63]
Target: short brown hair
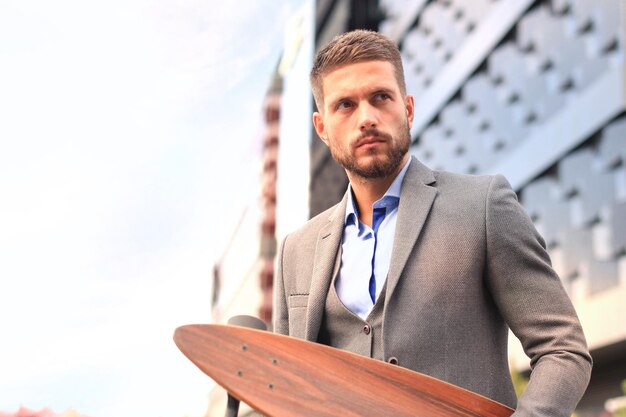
[352,47]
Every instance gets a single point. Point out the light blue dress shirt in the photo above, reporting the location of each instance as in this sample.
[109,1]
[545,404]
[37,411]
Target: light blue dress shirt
[362,247]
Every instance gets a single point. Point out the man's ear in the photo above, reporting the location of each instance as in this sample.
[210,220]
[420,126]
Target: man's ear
[410,109]
[320,127]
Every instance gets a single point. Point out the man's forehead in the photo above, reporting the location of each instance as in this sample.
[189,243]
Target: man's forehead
[376,72]
[384,66]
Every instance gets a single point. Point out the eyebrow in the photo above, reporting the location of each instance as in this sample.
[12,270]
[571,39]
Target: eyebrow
[383,90]
[375,91]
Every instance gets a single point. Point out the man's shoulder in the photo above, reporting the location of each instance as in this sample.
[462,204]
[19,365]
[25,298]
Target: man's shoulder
[312,226]
[449,180]
[303,241]
[456,188]
[465,179]
[464,183]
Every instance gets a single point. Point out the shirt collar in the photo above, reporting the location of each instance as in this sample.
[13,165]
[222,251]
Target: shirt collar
[390,199]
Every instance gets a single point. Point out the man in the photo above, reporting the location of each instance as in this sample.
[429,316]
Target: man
[420,268]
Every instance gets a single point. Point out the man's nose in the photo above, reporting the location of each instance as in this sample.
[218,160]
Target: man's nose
[367,116]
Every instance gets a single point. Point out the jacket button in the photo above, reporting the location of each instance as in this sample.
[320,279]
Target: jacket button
[367,329]
[393,360]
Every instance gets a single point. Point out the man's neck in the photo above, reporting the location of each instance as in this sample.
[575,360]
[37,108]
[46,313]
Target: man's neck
[367,191]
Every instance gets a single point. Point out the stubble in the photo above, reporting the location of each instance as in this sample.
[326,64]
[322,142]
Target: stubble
[378,165]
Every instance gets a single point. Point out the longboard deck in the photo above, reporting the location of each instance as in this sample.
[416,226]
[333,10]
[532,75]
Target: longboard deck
[281,376]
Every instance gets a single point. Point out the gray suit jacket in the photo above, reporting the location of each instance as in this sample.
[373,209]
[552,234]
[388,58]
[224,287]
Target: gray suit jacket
[467,264]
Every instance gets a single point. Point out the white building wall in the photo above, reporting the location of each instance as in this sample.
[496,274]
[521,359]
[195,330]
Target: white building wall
[296,126]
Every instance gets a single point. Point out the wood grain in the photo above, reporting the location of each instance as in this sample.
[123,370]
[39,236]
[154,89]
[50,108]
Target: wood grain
[281,376]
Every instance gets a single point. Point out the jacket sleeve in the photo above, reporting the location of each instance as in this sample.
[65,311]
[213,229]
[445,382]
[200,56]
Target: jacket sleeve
[280,311]
[535,306]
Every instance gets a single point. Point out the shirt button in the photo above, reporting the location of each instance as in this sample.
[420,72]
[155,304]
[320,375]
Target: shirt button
[393,360]
[367,329]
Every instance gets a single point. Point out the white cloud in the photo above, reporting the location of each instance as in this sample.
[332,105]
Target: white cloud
[123,126]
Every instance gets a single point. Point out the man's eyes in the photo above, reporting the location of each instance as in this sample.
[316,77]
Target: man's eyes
[347,104]
[344,105]
[382,96]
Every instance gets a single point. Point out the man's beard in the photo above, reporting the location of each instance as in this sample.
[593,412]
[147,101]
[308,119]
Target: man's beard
[381,166]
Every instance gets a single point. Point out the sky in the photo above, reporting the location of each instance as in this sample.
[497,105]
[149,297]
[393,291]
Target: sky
[129,140]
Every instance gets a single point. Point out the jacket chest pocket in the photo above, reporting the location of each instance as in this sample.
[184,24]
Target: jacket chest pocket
[297,314]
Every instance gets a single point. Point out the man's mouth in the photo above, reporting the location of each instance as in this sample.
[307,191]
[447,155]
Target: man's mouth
[370,140]
[369,143]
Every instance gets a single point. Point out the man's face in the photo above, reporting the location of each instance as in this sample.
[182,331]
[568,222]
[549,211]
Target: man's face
[365,119]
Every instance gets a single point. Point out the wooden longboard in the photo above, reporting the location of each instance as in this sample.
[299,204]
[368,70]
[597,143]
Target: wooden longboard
[281,376]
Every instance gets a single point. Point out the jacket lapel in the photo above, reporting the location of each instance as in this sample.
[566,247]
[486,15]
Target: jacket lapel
[328,241]
[416,199]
